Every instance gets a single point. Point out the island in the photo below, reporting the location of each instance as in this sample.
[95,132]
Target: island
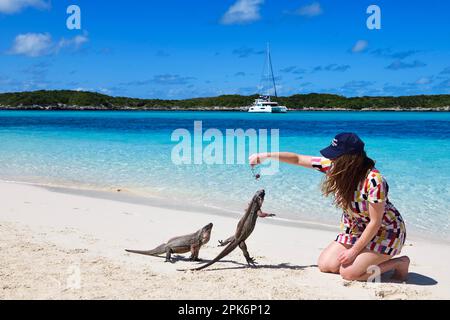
[83,100]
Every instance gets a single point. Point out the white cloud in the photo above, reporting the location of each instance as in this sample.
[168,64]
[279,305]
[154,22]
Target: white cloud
[14,6]
[74,43]
[41,44]
[32,44]
[360,46]
[423,80]
[311,10]
[243,11]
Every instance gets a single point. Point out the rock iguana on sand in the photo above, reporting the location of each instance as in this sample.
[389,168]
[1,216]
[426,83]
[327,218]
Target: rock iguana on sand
[243,231]
[183,244]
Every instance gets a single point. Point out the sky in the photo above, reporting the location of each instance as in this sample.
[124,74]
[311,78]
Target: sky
[175,49]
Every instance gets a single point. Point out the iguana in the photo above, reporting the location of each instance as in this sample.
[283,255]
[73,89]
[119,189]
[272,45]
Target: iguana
[243,231]
[183,244]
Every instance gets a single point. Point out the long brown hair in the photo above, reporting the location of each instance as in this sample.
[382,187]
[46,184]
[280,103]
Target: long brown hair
[343,178]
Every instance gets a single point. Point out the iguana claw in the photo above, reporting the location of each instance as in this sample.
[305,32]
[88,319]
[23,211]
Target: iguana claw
[195,259]
[251,262]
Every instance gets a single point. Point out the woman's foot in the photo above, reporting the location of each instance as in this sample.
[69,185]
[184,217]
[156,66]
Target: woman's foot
[401,271]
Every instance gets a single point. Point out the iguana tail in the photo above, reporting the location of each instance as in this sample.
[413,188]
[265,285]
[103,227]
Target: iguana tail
[158,250]
[228,249]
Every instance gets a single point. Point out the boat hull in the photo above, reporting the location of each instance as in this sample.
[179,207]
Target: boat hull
[267,110]
[279,109]
[260,110]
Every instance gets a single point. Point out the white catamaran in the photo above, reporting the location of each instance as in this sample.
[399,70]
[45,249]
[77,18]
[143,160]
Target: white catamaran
[264,103]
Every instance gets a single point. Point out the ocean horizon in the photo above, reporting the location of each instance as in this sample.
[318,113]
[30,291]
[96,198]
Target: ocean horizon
[131,150]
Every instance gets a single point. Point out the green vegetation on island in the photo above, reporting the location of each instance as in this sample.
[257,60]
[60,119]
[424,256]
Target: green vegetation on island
[74,100]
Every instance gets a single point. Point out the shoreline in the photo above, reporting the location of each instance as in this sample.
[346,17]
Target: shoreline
[47,234]
[216,109]
[128,197]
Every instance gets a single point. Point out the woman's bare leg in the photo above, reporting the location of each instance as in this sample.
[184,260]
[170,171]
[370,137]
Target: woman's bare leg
[359,269]
[328,260]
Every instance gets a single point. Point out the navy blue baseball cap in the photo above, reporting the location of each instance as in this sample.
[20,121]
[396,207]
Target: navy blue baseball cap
[343,143]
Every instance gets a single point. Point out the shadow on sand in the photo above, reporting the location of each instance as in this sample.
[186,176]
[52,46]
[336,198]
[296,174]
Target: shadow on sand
[413,278]
[238,265]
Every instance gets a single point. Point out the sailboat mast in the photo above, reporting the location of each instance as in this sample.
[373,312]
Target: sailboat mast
[269,59]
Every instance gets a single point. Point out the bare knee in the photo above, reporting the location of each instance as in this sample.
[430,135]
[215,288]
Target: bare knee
[328,269]
[328,262]
[327,266]
[349,274]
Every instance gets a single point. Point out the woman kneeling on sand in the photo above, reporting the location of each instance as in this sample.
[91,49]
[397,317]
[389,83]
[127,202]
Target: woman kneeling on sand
[372,230]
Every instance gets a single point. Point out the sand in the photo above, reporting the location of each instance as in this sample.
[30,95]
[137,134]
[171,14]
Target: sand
[58,244]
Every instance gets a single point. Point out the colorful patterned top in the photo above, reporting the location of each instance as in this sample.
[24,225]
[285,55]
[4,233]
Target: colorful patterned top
[374,189]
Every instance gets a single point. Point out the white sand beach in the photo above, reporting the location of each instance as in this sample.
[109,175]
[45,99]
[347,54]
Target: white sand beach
[70,245]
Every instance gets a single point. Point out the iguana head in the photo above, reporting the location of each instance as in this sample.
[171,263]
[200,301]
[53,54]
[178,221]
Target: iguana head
[259,197]
[205,233]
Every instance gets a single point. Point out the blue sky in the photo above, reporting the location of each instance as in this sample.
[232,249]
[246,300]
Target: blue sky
[178,49]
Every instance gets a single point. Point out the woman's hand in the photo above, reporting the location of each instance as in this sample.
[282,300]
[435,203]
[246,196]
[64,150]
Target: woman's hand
[257,158]
[348,256]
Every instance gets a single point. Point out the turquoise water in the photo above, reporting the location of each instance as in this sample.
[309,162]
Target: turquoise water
[132,150]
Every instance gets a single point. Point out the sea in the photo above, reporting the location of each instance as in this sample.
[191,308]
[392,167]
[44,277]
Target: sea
[135,151]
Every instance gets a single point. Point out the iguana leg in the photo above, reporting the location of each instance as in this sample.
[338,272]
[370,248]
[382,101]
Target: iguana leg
[194,253]
[168,254]
[223,243]
[264,214]
[251,262]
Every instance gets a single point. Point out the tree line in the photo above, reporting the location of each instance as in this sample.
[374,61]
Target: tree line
[68,99]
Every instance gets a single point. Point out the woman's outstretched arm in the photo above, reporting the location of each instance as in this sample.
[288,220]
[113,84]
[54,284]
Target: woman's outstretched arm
[287,157]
